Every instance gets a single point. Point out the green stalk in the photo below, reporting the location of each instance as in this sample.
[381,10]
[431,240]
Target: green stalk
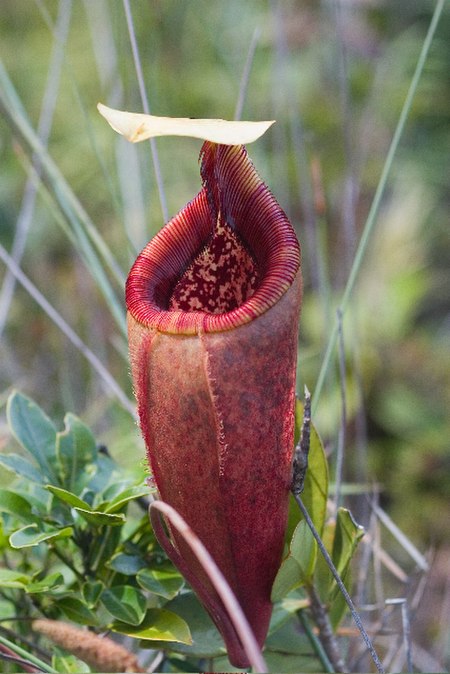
[90,244]
[32,659]
[370,222]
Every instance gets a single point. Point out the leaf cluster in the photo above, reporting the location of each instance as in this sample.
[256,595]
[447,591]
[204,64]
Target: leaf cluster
[78,547]
[74,548]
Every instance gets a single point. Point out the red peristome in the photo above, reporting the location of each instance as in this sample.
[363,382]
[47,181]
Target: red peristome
[233,198]
[215,384]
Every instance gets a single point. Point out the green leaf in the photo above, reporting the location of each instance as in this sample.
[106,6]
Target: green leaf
[69,664]
[285,662]
[303,549]
[322,574]
[67,497]
[76,450]
[94,517]
[14,504]
[34,430]
[76,610]
[340,538]
[21,466]
[290,638]
[284,610]
[346,538]
[163,581]
[206,640]
[125,603]
[126,564]
[99,519]
[31,535]
[298,567]
[159,625]
[13,579]
[47,584]
[91,591]
[125,497]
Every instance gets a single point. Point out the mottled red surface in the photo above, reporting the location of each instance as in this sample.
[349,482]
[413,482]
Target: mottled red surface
[216,407]
[221,278]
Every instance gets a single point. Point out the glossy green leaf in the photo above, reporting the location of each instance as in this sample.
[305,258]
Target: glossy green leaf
[35,432]
[340,537]
[94,517]
[126,564]
[290,638]
[322,574]
[76,610]
[289,577]
[31,535]
[15,504]
[298,567]
[21,467]
[51,582]
[206,640]
[99,519]
[125,603]
[119,501]
[159,625]
[76,450]
[91,591]
[284,609]
[346,538]
[67,497]
[13,579]
[69,664]
[38,497]
[163,581]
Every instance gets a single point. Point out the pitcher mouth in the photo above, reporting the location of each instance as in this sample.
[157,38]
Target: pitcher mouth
[226,258]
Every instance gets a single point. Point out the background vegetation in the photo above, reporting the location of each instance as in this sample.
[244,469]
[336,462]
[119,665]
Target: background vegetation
[76,206]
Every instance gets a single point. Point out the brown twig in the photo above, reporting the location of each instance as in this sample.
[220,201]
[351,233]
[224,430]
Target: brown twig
[326,634]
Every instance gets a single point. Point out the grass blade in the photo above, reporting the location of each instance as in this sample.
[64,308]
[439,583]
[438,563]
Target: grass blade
[371,218]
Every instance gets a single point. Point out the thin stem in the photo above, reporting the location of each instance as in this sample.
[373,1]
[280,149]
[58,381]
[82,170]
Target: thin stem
[26,642]
[43,131]
[27,657]
[373,212]
[341,438]
[301,452]
[340,584]
[327,638]
[146,106]
[88,238]
[400,537]
[67,330]
[406,628]
[246,74]
[406,622]
[315,643]
[11,657]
